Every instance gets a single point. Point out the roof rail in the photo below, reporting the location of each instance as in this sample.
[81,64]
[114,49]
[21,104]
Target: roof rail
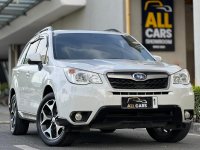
[113,30]
[45,29]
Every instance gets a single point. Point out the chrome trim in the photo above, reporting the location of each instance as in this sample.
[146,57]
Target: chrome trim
[123,76]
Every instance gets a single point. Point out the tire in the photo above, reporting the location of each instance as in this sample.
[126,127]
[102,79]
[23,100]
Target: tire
[18,126]
[48,129]
[169,135]
[107,130]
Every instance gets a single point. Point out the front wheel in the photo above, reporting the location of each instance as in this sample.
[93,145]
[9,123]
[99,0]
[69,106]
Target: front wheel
[169,135]
[48,128]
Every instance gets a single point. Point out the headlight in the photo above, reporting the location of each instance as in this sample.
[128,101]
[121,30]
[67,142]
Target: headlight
[77,76]
[181,77]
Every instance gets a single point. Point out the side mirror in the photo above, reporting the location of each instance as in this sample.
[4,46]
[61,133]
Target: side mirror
[157,58]
[35,59]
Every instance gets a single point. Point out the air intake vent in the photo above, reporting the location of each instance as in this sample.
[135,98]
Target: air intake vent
[140,93]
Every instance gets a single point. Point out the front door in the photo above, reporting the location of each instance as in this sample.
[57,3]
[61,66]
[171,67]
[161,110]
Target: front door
[25,73]
[35,78]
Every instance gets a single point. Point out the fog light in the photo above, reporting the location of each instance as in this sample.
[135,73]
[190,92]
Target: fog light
[78,116]
[187,115]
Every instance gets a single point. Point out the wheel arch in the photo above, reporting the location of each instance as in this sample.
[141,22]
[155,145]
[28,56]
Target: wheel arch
[12,92]
[48,89]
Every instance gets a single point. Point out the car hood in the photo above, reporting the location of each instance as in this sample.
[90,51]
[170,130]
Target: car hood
[103,66]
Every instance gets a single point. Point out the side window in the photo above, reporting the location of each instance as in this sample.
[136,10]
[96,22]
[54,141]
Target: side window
[22,56]
[42,49]
[32,50]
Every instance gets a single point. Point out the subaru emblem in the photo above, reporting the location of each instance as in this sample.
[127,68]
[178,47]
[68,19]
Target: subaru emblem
[139,77]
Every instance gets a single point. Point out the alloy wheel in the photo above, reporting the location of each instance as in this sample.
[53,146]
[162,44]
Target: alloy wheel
[48,121]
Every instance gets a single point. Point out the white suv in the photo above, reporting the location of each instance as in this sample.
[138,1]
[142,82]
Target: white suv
[71,81]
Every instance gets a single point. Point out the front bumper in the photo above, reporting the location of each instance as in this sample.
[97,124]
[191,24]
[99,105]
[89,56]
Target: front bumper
[113,117]
[92,98]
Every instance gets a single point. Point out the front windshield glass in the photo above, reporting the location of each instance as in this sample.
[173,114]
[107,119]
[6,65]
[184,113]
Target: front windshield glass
[98,46]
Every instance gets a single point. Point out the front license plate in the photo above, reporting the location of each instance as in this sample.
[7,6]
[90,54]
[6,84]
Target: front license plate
[139,102]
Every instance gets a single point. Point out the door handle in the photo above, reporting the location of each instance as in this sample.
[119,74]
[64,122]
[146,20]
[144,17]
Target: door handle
[17,73]
[27,74]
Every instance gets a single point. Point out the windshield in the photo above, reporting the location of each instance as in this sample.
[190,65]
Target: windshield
[98,46]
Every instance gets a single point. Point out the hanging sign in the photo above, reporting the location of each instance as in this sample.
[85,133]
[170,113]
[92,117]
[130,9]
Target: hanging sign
[158,25]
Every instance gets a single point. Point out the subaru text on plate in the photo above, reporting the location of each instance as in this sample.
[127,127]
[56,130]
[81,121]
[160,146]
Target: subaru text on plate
[68,81]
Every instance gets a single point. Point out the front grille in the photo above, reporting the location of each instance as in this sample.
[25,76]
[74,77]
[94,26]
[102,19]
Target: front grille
[129,83]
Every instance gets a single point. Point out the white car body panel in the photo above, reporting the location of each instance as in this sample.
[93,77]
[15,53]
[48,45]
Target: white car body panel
[71,97]
[104,66]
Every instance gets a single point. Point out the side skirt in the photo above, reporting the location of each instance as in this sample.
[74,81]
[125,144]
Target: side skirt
[27,116]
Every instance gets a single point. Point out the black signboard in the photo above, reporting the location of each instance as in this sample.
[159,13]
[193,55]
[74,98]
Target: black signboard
[158,25]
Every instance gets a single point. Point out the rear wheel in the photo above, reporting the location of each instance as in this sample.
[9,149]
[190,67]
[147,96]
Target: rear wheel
[18,126]
[107,130]
[169,135]
[48,128]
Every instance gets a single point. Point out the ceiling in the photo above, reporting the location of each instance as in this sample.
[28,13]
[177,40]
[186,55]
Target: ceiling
[11,9]
[21,19]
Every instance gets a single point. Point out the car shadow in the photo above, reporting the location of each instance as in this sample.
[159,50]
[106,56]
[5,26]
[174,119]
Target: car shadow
[120,139]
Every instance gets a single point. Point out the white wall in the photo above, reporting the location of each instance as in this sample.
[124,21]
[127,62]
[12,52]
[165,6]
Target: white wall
[196,12]
[96,15]
[105,14]
[177,57]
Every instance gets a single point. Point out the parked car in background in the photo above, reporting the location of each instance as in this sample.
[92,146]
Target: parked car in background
[69,81]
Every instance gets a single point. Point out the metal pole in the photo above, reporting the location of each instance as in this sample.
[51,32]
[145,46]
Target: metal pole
[128,16]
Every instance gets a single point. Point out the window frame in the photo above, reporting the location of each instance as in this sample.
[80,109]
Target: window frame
[23,54]
[43,37]
[29,49]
